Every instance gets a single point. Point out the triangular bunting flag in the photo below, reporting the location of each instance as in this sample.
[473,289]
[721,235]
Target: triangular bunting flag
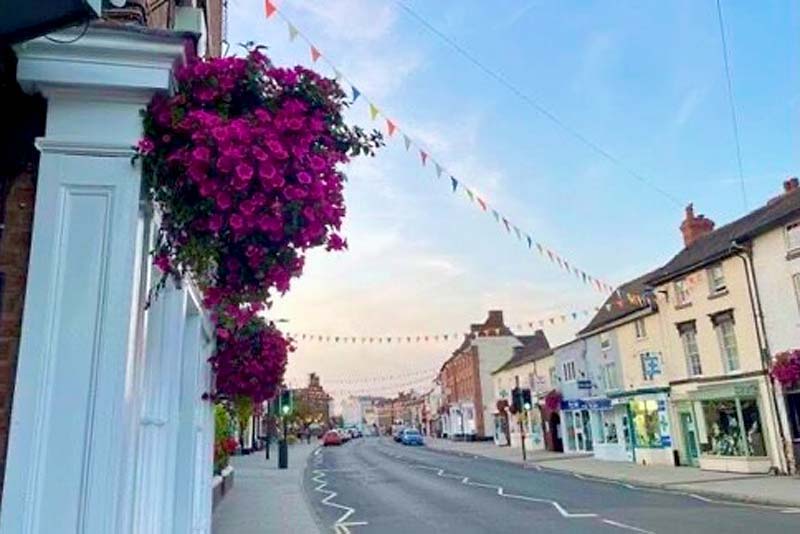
[439,171]
[315,54]
[550,255]
[373,111]
[269,8]
[508,227]
[470,195]
[540,247]
[530,241]
[496,215]
[407,141]
[516,231]
[482,203]
[356,93]
[454,182]
[293,32]
[390,127]
[423,156]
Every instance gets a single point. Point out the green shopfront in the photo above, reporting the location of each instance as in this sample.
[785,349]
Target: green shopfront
[724,426]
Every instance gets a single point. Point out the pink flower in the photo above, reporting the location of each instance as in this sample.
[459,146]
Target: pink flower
[146,146]
[244,171]
[223,200]
[236,221]
[304,177]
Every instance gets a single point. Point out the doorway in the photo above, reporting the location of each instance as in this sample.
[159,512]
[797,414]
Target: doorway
[689,432]
[555,432]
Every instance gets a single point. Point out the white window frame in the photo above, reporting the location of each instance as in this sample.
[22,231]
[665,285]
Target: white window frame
[724,347]
[641,329]
[792,240]
[609,375]
[694,364]
[796,281]
[682,295]
[713,286]
[568,368]
[605,341]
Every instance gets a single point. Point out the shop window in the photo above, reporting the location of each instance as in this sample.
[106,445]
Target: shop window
[688,333]
[682,296]
[793,412]
[723,324]
[641,331]
[716,279]
[733,428]
[609,430]
[646,423]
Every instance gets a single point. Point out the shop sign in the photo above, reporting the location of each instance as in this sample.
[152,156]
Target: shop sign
[746,390]
[598,404]
[666,441]
[584,384]
[573,404]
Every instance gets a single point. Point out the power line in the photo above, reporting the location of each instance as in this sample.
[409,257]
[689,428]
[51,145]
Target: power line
[530,101]
[731,102]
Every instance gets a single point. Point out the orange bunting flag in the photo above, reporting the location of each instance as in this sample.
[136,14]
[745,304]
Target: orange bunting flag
[482,203]
[423,156]
[315,54]
[390,127]
[269,8]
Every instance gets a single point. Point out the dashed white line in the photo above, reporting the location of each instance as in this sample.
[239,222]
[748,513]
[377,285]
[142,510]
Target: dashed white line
[627,527]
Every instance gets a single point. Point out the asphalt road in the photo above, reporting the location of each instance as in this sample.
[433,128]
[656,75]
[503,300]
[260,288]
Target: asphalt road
[376,485]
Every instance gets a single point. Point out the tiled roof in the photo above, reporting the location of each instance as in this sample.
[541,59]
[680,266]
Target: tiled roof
[617,305]
[533,348]
[717,244]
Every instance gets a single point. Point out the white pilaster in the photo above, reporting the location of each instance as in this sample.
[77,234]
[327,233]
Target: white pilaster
[67,441]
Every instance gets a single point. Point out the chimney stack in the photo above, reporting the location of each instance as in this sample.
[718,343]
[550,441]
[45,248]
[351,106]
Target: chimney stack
[694,226]
[790,184]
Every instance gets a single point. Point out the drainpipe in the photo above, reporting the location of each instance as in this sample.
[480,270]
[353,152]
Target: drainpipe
[745,253]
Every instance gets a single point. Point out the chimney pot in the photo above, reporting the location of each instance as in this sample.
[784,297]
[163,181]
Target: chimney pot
[694,227]
[791,184]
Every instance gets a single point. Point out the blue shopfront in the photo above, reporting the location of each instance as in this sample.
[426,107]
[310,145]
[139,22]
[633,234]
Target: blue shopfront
[648,425]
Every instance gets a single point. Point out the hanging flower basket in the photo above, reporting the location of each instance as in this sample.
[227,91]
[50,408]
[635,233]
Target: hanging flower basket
[250,357]
[786,368]
[242,163]
[553,400]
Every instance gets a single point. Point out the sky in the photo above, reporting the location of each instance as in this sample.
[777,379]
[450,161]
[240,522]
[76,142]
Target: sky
[642,80]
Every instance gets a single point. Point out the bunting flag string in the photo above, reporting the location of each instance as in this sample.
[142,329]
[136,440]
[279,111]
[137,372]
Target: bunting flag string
[385,388]
[381,378]
[447,337]
[392,126]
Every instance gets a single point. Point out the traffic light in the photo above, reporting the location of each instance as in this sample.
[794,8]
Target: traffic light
[516,400]
[286,402]
[526,399]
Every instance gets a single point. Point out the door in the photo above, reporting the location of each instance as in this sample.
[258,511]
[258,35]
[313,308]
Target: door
[587,429]
[577,425]
[689,438]
[626,436]
[555,432]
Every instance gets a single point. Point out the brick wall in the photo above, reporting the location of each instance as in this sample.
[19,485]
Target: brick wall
[23,120]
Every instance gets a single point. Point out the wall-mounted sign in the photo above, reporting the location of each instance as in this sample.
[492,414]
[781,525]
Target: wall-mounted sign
[584,384]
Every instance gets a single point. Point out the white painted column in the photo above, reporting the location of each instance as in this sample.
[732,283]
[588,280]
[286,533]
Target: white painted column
[67,441]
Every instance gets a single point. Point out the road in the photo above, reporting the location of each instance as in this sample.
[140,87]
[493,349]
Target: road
[376,485]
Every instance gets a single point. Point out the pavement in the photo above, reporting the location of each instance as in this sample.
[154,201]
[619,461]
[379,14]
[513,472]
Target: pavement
[759,489]
[265,499]
[374,484]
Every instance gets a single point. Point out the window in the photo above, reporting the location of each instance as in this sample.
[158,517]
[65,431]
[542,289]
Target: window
[608,374]
[651,365]
[553,377]
[569,371]
[733,428]
[688,333]
[646,424]
[682,296]
[716,279]
[605,341]
[641,332]
[723,324]
[796,280]
[793,237]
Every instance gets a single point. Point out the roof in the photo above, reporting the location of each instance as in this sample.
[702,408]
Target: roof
[533,348]
[616,307]
[717,244]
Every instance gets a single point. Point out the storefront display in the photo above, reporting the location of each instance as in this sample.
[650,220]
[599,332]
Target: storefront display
[646,423]
[733,428]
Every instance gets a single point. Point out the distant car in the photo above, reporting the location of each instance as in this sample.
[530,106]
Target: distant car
[331,437]
[411,436]
[398,435]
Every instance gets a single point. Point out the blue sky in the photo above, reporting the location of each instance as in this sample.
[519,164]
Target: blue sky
[643,80]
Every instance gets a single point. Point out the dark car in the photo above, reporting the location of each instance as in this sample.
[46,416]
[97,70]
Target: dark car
[411,436]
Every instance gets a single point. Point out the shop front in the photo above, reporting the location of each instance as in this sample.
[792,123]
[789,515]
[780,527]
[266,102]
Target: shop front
[648,426]
[577,426]
[726,426]
[610,429]
[792,400]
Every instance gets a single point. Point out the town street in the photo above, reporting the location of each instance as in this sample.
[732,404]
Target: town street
[374,484]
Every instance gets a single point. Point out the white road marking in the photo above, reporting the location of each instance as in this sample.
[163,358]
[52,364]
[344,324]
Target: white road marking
[791,511]
[700,497]
[626,527]
[340,525]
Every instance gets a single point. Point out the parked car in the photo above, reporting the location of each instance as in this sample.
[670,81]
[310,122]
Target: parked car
[344,435]
[411,436]
[331,437]
[398,434]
